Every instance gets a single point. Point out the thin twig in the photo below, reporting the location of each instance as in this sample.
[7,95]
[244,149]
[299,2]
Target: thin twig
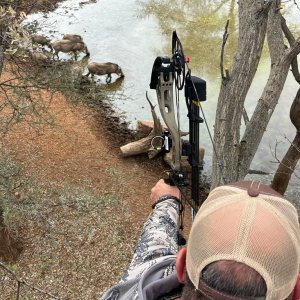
[297,5]
[23,282]
[245,116]
[18,290]
[278,161]
[291,143]
[225,37]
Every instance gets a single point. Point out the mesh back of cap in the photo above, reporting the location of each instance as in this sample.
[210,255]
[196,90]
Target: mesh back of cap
[262,232]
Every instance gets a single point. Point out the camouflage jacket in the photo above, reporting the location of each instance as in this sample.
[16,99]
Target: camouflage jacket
[151,274]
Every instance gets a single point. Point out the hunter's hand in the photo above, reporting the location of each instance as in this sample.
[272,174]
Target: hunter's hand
[161,189]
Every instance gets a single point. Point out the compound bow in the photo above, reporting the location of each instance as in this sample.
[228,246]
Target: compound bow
[169,75]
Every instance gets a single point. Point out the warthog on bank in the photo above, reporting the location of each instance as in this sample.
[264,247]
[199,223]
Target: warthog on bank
[107,68]
[67,46]
[76,72]
[73,37]
[41,40]
[38,57]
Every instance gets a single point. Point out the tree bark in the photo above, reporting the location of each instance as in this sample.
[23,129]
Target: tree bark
[252,30]
[287,165]
[265,108]
[291,40]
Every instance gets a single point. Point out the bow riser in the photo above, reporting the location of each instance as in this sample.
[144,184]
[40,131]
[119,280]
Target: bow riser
[166,105]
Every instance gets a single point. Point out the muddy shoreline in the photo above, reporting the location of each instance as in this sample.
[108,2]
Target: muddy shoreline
[31,6]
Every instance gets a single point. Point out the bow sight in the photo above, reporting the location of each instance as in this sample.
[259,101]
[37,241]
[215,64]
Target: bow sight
[169,75]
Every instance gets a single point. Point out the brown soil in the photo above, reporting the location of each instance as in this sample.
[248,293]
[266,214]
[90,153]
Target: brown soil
[80,151]
[68,246]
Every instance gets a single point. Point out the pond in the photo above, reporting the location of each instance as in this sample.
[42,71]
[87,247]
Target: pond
[134,34]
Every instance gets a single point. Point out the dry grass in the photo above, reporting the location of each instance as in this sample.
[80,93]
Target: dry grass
[76,243]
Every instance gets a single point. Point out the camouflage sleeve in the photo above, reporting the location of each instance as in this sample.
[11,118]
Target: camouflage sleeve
[158,238]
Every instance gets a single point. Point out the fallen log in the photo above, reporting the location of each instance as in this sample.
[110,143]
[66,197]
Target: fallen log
[152,145]
[146,144]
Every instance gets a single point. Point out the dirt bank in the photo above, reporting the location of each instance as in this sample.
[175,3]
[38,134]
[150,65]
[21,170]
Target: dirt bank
[81,206]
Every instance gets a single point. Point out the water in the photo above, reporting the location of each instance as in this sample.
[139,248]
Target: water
[113,32]
[132,33]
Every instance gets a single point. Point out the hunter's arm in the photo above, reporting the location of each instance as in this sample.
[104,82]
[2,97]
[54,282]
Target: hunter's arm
[158,238]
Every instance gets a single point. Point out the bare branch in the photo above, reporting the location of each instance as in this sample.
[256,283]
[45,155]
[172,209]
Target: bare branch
[289,36]
[245,116]
[287,165]
[294,50]
[289,162]
[23,282]
[225,37]
[291,143]
[297,5]
[258,172]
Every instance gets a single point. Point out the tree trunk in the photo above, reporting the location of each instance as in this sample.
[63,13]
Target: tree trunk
[280,63]
[252,30]
[234,153]
[287,165]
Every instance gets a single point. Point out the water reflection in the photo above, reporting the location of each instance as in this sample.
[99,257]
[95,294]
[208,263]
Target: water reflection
[134,33]
[200,26]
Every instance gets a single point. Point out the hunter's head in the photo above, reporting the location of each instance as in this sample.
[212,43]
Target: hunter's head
[244,244]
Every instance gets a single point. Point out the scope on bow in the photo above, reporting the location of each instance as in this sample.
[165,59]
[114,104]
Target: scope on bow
[169,75]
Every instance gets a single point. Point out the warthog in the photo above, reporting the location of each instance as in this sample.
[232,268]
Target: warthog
[72,37]
[76,72]
[41,40]
[67,46]
[38,57]
[104,69]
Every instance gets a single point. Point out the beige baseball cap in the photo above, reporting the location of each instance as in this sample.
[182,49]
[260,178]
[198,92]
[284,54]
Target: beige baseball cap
[249,223]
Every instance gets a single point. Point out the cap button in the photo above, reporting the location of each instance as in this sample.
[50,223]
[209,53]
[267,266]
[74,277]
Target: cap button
[253,190]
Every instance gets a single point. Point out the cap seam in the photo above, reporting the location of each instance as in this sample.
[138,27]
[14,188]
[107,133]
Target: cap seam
[241,239]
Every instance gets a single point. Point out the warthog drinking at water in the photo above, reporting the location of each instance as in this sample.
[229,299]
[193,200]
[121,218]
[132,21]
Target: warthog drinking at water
[73,37]
[104,69]
[67,46]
